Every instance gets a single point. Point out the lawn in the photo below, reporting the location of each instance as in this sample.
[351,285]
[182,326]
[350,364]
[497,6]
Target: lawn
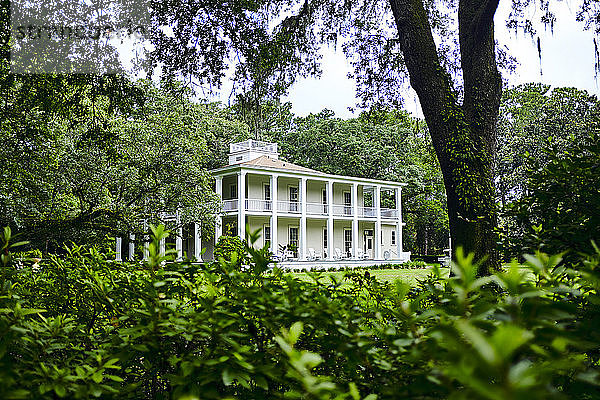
[407,275]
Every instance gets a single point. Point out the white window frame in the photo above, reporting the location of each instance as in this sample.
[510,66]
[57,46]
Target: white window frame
[294,204]
[393,237]
[347,206]
[267,201]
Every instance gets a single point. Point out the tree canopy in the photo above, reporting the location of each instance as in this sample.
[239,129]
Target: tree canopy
[84,172]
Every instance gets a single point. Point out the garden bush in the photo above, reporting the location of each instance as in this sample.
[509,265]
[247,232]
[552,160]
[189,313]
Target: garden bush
[82,326]
[227,246]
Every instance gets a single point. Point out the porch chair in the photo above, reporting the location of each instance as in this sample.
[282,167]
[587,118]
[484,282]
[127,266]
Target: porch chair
[338,255]
[361,255]
[313,255]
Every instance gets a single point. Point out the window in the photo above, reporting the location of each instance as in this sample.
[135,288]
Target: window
[238,158]
[293,190]
[233,191]
[267,195]
[324,201]
[325,238]
[293,240]
[393,237]
[347,241]
[267,234]
[347,203]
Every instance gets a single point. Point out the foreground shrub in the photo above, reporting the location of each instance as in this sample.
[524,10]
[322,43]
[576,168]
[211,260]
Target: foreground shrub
[82,327]
[230,248]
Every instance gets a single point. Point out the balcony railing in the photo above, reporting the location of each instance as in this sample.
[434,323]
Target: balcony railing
[367,212]
[292,207]
[258,205]
[317,209]
[389,213]
[253,144]
[230,205]
[342,210]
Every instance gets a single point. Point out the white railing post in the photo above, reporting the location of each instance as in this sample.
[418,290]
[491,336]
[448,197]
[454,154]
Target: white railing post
[274,218]
[355,220]
[302,247]
[377,204]
[330,236]
[118,244]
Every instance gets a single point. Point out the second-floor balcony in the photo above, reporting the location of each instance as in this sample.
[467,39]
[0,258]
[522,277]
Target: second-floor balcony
[312,209]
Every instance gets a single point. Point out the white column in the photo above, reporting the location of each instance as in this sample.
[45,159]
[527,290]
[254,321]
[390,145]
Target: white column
[162,247]
[146,250]
[179,244]
[131,253]
[399,222]
[330,246]
[197,242]
[274,242]
[218,219]
[242,204]
[377,204]
[355,220]
[302,248]
[179,238]
[118,244]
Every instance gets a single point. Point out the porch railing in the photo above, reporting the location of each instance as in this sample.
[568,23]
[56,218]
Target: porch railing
[258,205]
[389,213]
[289,206]
[367,212]
[317,209]
[230,205]
[342,210]
[294,207]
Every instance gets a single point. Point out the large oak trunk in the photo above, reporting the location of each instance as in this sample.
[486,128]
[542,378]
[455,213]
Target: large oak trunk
[463,134]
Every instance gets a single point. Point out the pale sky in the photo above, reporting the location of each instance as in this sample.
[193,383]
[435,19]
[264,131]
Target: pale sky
[567,60]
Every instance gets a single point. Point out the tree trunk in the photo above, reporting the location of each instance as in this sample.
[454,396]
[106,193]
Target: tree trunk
[463,135]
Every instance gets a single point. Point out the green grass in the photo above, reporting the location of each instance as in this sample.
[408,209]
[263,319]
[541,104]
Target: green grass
[409,276]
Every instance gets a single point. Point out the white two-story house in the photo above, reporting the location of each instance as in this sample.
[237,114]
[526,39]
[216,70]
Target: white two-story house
[308,217]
